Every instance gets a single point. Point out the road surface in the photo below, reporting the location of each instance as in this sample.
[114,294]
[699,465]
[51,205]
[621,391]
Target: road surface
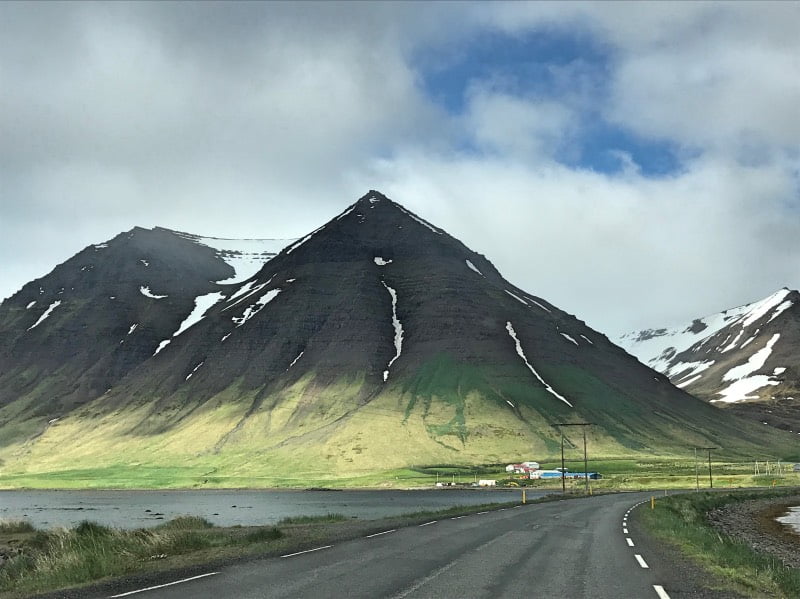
[573,549]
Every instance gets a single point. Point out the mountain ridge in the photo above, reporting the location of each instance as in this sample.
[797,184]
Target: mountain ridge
[743,357]
[376,341]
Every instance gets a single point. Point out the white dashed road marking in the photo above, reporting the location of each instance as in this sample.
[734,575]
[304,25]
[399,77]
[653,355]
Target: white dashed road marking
[662,594]
[161,586]
[641,561]
[308,551]
[630,541]
[428,523]
[377,534]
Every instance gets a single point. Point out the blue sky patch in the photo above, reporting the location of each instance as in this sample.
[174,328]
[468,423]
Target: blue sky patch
[550,64]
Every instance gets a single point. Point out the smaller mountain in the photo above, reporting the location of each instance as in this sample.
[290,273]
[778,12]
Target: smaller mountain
[69,336]
[746,358]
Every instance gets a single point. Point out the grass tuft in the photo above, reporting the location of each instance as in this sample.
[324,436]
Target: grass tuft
[16,526]
[263,534]
[186,523]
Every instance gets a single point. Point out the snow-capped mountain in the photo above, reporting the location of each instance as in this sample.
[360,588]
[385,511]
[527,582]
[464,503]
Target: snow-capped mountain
[743,354]
[376,341]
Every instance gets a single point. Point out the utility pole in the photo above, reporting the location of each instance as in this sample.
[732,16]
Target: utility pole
[585,455]
[710,479]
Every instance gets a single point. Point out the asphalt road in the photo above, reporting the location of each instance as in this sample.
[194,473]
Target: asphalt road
[579,548]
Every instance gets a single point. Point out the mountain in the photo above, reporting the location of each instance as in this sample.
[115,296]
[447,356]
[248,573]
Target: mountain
[377,341]
[746,358]
[69,337]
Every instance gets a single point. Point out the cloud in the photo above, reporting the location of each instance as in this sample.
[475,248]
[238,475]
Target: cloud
[515,127]
[620,251]
[265,119]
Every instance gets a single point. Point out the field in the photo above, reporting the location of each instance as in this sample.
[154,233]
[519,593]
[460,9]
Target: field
[619,474]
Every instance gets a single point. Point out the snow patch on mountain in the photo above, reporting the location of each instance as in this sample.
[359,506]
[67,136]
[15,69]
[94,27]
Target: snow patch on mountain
[587,339]
[133,327]
[755,362]
[545,308]
[162,345]
[516,297]
[512,333]
[780,309]
[188,376]
[245,256]
[145,291]
[346,212]
[424,223]
[381,262]
[473,267]
[733,343]
[687,382]
[760,309]
[295,360]
[742,389]
[398,331]
[569,338]
[687,369]
[202,304]
[30,305]
[245,293]
[47,313]
[241,291]
[256,307]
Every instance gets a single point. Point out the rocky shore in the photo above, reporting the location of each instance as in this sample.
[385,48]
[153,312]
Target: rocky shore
[753,522]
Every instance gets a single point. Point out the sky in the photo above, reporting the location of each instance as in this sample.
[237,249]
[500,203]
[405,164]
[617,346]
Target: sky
[635,164]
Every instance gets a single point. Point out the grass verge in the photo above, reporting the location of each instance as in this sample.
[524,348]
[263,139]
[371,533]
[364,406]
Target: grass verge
[681,520]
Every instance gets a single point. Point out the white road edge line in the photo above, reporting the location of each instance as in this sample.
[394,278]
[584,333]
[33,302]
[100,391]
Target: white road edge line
[428,523]
[641,561]
[662,594]
[161,586]
[377,534]
[457,517]
[630,541]
[308,551]
[479,513]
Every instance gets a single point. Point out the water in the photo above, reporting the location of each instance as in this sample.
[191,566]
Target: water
[137,509]
[792,518]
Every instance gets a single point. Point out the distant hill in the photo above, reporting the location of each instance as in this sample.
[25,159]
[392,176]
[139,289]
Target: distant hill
[746,358]
[377,341]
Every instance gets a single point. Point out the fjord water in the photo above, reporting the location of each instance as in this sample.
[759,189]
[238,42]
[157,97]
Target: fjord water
[138,509]
[791,518]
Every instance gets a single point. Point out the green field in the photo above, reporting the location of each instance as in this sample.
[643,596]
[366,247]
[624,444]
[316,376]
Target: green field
[618,474]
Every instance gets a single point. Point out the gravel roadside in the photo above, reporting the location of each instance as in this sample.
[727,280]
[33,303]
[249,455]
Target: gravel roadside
[753,522]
